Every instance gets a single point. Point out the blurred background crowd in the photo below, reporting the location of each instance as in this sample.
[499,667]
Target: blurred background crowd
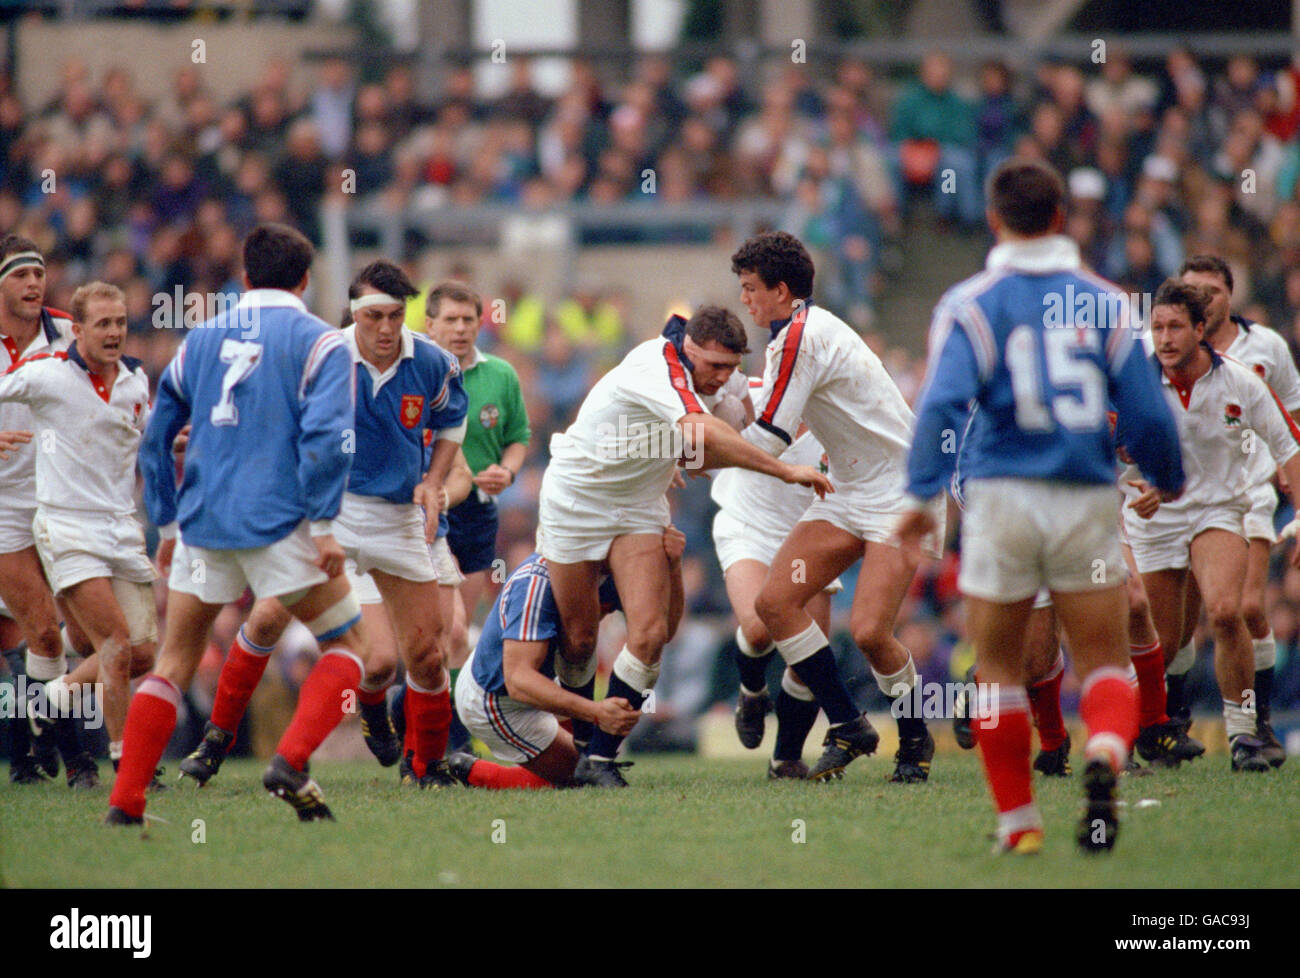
[1163,159]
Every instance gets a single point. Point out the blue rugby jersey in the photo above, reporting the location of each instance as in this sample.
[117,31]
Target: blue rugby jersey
[268,388]
[1015,341]
[524,611]
[399,414]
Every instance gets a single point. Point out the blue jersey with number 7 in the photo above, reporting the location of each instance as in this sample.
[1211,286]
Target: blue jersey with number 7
[268,388]
[1044,348]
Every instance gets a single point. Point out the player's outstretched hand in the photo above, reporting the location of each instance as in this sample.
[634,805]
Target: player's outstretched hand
[9,440]
[493,479]
[912,528]
[1148,500]
[806,475]
[166,549]
[674,542]
[329,555]
[616,716]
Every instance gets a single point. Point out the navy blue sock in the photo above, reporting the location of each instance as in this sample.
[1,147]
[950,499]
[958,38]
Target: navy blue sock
[753,671]
[821,675]
[606,744]
[583,729]
[1176,696]
[910,726]
[1263,692]
[397,711]
[794,718]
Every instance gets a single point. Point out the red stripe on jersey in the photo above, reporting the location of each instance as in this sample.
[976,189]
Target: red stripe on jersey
[789,353]
[33,358]
[58,313]
[1290,421]
[681,383]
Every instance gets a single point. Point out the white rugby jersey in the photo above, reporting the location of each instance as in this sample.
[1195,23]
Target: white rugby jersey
[624,444]
[820,370]
[1264,351]
[18,471]
[1226,413]
[85,437]
[763,501]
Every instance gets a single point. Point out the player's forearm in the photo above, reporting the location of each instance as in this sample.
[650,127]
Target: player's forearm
[460,481]
[513,457]
[444,457]
[528,686]
[712,444]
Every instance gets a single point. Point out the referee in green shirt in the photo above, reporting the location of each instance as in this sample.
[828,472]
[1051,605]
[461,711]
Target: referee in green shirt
[496,437]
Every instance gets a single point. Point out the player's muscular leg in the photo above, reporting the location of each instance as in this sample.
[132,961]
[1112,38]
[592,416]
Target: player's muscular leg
[1166,592]
[322,598]
[185,637]
[819,609]
[1096,624]
[266,622]
[744,580]
[413,610]
[997,632]
[557,762]
[27,596]
[575,588]
[381,665]
[1252,592]
[471,591]
[93,605]
[883,581]
[1219,563]
[1141,629]
[813,555]
[1191,610]
[640,569]
[1042,644]
[453,634]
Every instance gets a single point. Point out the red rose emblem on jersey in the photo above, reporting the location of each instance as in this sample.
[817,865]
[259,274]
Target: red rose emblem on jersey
[1259,369]
[412,408]
[1232,414]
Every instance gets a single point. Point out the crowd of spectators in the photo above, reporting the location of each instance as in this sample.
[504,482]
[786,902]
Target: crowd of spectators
[1160,164]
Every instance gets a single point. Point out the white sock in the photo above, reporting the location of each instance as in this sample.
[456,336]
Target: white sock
[1237,720]
[43,669]
[1265,652]
[1183,661]
[899,683]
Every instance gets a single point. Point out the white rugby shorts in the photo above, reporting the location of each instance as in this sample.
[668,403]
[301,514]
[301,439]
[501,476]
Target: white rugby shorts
[573,528]
[76,547]
[1164,542]
[1020,535]
[287,566]
[861,511]
[735,540]
[1259,518]
[515,733]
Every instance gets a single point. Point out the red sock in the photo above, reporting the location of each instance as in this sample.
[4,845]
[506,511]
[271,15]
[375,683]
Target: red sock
[372,697]
[1004,741]
[1149,663]
[150,721]
[239,677]
[428,724]
[1045,703]
[485,774]
[1108,707]
[320,705]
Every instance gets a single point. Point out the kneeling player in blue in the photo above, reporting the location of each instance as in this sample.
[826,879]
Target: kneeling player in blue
[514,684]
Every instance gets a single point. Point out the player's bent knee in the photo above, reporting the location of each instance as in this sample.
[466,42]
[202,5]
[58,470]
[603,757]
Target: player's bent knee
[1225,615]
[648,638]
[872,637]
[337,619]
[138,608]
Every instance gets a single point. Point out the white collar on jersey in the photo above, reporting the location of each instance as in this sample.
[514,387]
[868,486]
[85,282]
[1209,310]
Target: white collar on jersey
[266,298]
[475,358]
[1051,253]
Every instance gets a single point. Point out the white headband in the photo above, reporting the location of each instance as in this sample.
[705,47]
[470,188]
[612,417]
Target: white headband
[375,299]
[20,260]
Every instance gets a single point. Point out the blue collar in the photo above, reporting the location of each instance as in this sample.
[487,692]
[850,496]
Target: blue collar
[1243,323]
[47,325]
[776,325]
[130,363]
[675,333]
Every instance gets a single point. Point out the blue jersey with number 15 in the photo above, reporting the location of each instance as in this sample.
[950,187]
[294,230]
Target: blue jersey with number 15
[1043,348]
[268,388]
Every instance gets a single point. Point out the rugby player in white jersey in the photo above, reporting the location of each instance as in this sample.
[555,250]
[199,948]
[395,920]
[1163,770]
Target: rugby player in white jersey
[602,498]
[1266,352]
[819,370]
[27,328]
[755,515]
[88,538]
[1225,413]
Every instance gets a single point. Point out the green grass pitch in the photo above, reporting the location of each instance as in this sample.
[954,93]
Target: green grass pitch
[685,822]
